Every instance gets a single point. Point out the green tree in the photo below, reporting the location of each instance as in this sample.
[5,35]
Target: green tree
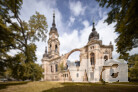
[125,56]
[21,70]
[19,35]
[61,66]
[134,71]
[124,13]
[24,33]
[6,38]
[28,33]
[132,59]
[133,66]
[36,71]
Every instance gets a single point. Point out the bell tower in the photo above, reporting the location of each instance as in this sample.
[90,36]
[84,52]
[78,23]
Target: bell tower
[53,42]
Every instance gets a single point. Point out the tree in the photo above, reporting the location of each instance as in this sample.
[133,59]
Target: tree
[134,71]
[22,32]
[6,38]
[124,13]
[61,66]
[28,33]
[19,35]
[133,66]
[24,71]
[132,59]
[124,56]
[36,71]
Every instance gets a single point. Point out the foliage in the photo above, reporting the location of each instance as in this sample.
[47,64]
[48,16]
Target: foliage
[132,60]
[61,67]
[20,70]
[133,66]
[134,71]
[6,38]
[17,34]
[124,13]
[125,56]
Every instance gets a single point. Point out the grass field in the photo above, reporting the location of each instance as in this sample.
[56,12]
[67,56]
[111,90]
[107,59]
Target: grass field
[66,87]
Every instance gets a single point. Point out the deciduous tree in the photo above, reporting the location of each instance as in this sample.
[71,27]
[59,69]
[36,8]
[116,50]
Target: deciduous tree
[17,34]
[124,13]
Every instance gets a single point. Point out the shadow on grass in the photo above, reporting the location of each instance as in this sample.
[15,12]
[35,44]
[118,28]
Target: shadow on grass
[91,87]
[4,85]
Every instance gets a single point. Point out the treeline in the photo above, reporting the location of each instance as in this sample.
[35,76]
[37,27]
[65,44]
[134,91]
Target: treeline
[17,34]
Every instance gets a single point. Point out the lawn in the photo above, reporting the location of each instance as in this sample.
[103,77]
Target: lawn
[66,87]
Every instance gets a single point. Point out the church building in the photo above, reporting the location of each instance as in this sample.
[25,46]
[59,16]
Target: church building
[55,65]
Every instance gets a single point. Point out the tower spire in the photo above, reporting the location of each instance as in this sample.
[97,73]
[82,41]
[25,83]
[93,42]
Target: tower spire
[53,24]
[93,25]
[93,29]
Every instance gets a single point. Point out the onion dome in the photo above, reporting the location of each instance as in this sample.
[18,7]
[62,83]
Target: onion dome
[94,34]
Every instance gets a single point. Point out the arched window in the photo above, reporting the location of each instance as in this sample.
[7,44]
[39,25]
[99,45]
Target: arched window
[105,58]
[56,48]
[92,59]
[56,67]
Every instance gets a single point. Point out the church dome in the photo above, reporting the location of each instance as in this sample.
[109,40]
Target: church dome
[45,55]
[94,34]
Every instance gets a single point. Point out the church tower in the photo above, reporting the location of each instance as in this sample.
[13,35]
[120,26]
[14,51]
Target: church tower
[53,42]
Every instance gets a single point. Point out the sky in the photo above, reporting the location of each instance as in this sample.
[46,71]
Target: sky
[74,20]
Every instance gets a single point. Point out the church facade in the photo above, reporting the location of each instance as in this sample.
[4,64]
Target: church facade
[56,67]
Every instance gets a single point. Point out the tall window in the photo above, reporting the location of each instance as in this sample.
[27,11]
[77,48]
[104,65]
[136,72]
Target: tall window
[92,59]
[56,67]
[51,69]
[50,46]
[77,75]
[56,48]
[105,58]
[67,66]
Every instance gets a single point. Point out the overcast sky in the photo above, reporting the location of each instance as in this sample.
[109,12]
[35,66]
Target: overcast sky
[74,23]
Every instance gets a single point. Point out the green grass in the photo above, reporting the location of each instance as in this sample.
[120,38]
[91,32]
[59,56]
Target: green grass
[4,85]
[66,87]
[129,83]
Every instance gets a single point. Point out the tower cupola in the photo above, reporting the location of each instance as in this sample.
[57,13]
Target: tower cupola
[94,35]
